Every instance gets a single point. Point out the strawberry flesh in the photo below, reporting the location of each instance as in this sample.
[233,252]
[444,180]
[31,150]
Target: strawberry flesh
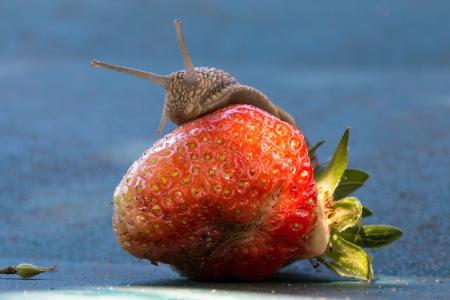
[229,195]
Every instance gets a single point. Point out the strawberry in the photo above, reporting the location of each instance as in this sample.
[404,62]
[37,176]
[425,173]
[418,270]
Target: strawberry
[233,195]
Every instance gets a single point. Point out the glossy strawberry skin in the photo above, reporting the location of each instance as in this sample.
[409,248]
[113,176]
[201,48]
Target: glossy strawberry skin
[229,195]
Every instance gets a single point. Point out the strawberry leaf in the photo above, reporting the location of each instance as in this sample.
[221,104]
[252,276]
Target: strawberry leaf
[346,213]
[318,170]
[328,177]
[371,236]
[377,236]
[341,271]
[366,212]
[351,180]
[312,150]
[350,233]
[348,259]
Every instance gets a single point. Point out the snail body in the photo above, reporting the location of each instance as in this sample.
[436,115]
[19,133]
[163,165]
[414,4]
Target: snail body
[197,91]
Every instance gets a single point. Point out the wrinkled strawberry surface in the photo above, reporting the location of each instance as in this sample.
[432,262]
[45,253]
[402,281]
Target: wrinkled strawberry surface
[231,194]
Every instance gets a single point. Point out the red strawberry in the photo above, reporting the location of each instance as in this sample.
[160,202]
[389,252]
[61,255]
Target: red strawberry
[228,195]
[233,194]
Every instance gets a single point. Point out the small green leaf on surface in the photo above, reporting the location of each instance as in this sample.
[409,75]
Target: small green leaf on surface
[328,178]
[312,150]
[29,270]
[26,270]
[377,236]
[366,212]
[346,213]
[348,260]
[351,180]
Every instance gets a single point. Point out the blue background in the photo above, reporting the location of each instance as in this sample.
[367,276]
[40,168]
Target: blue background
[68,132]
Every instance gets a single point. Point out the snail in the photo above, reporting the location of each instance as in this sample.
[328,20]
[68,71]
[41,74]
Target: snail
[197,91]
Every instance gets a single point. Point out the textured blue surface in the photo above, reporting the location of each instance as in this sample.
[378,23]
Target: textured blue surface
[69,132]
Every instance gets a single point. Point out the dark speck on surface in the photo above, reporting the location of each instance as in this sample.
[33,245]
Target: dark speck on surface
[69,132]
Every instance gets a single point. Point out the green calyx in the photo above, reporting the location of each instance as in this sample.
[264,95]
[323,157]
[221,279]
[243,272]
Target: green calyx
[348,234]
